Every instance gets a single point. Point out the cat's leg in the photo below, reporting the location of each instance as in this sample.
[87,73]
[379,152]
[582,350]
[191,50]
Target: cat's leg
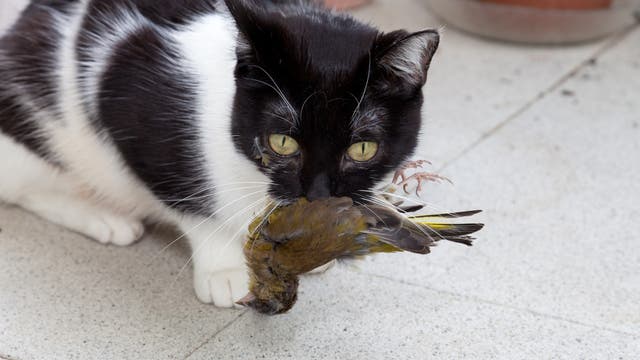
[46,190]
[220,274]
[84,218]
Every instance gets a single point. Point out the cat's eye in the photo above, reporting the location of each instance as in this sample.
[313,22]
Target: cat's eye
[283,145]
[363,151]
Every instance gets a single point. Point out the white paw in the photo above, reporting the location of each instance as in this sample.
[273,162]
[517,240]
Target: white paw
[222,288]
[110,229]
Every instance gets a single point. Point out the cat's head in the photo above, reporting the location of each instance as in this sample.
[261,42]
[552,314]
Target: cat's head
[325,105]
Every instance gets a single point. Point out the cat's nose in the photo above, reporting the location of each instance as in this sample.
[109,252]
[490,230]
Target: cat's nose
[319,188]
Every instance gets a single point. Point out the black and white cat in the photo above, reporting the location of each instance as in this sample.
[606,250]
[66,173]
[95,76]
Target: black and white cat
[115,112]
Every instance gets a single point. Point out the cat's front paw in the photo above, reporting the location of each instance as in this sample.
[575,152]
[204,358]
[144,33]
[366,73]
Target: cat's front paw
[222,288]
[109,229]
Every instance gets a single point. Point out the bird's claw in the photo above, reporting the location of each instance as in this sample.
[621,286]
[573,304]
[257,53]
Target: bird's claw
[400,173]
[421,178]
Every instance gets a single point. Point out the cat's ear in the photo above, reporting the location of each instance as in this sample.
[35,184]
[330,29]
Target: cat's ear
[255,29]
[404,58]
[247,15]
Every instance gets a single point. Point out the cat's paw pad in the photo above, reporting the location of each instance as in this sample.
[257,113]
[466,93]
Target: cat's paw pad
[110,229]
[222,288]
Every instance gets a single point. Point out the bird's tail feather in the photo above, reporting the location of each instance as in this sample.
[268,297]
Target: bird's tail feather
[449,230]
[456,215]
[459,233]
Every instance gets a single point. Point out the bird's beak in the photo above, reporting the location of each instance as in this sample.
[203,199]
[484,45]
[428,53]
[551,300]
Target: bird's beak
[247,300]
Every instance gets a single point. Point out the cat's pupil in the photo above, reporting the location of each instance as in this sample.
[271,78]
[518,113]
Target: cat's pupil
[284,141]
[364,145]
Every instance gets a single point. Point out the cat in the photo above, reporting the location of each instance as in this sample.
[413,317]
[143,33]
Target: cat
[115,113]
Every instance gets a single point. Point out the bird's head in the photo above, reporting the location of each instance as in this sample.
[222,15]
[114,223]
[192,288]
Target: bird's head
[276,296]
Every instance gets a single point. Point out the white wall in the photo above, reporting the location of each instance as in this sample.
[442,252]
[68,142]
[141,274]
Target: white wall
[9,12]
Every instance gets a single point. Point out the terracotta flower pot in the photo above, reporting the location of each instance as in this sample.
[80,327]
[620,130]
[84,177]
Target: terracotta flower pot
[557,4]
[344,4]
[538,21]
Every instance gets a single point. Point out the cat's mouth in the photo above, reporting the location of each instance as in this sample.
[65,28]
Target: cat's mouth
[359,199]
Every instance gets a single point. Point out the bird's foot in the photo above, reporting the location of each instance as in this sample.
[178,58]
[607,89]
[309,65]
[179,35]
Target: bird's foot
[421,178]
[400,175]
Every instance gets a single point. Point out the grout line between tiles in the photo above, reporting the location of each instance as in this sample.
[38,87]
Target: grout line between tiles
[225,327]
[495,303]
[7,357]
[614,41]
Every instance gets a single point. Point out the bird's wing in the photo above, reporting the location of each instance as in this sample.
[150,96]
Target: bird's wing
[387,232]
[418,234]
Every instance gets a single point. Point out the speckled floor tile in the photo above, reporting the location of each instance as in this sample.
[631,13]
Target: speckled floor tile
[560,186]
[352,316]
[66,297]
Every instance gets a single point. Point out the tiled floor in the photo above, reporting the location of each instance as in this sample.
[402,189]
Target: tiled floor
[545,140]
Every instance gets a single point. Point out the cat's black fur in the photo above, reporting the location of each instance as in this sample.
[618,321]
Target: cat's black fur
[159,143]
[340,77]
[331,68]
[26,63]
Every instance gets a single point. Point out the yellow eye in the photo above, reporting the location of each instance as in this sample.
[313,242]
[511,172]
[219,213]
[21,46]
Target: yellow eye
[283,145]
[363,151]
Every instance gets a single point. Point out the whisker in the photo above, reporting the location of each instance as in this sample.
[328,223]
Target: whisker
[412,200]
[289,121]
[408,219]
[373,212]
[289,107]
[192,197]
[236,234]
[186,233]
[266,217]
[210,236]
[305,102]
[264,221]
[277,89]
[364,92]
[221,185]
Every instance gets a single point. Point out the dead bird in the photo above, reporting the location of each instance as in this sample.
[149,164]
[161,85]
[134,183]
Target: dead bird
[292,240]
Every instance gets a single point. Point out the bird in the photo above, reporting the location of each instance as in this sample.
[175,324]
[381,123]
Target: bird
[287,241]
